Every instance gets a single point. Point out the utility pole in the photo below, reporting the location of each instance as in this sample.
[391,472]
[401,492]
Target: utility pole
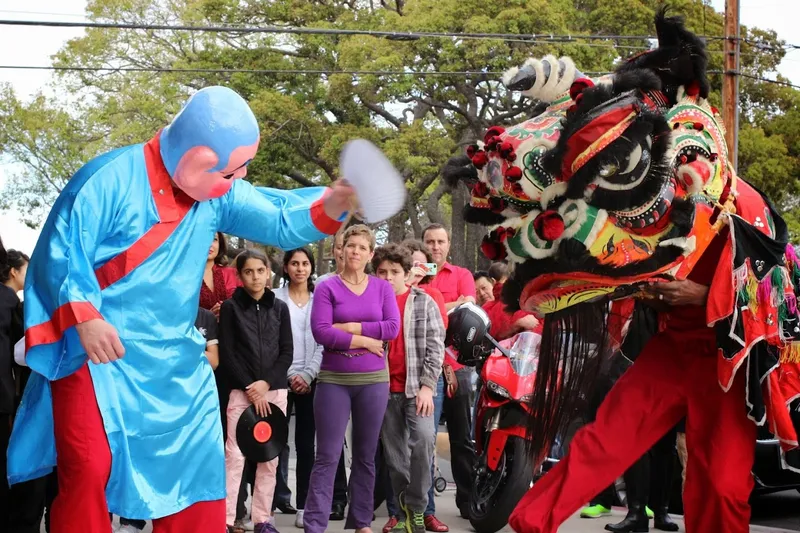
[730,83]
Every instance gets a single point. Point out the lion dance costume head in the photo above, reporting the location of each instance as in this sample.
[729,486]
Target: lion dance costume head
[617,183]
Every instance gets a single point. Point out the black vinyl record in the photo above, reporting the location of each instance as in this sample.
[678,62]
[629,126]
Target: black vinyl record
[262,439]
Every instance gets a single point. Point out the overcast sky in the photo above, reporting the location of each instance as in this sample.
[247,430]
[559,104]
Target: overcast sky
[34,46]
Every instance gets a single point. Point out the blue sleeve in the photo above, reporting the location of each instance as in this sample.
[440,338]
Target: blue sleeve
[61,289]
[287,219]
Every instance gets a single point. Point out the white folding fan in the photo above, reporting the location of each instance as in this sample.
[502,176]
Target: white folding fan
[379,187]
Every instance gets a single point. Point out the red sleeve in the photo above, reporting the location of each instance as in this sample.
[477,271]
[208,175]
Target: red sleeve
[436,294]
[466,283]
[231,280]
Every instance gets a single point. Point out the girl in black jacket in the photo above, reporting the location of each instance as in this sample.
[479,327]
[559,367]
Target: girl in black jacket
[255,338]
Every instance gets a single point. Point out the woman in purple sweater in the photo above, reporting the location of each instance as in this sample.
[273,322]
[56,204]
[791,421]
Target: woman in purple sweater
[354,315]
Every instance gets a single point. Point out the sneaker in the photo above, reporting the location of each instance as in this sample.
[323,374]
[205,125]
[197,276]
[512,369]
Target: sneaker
[245,524]
[298,519]
[650,514]
[595,511]
[434,524]
[390,524]
[400,527]
[266,527]
[417,522]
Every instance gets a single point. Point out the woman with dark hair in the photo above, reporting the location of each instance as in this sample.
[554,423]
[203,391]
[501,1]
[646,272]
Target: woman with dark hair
[13,265]
[298,293]
[255,335]
[219,281]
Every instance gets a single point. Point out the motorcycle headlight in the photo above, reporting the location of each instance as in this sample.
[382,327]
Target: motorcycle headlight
[497,389]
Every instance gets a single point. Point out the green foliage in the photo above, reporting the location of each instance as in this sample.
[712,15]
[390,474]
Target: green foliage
[419,121]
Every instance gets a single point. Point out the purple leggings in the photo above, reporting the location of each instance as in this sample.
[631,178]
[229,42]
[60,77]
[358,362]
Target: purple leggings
[332,407]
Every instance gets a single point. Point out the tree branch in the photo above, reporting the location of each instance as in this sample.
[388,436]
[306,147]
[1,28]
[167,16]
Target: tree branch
[432,207]
[299,178]
[378,110]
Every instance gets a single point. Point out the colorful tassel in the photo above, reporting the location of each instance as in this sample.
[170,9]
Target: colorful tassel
[791,303]
[751,290]
[791,353]
[764,291]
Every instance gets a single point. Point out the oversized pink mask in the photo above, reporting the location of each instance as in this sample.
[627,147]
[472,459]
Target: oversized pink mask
[197,175]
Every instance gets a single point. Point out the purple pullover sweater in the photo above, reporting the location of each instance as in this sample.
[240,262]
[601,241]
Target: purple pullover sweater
[376,311]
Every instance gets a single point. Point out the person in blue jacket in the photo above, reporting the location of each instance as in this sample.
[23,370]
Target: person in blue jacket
[122,398]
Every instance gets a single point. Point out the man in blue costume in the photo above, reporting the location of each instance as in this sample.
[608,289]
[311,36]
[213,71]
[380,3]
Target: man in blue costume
[117,272]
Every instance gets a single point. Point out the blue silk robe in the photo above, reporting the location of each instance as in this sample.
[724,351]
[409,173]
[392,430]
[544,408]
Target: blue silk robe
[159,403]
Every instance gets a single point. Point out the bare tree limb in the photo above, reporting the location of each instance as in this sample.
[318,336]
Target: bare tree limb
[378,110]
[299,178]
[432,207]
[413,215]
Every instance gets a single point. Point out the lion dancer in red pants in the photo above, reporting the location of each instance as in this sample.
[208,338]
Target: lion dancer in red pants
[620,189]
[745,286]
[675,376]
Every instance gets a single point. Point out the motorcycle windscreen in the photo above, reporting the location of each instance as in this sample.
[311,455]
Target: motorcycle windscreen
[524,354]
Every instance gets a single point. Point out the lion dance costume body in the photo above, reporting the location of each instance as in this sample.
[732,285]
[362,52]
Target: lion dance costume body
[619,183]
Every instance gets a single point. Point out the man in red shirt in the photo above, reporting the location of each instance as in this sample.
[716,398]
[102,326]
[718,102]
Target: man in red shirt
[415,362]
[457,286]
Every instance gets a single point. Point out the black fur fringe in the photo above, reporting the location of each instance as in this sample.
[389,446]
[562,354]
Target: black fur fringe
[572,354]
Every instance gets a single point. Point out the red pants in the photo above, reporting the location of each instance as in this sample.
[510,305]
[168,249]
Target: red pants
[84,465]
[672,378]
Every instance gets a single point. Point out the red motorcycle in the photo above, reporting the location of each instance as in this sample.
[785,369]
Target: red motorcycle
[503,471]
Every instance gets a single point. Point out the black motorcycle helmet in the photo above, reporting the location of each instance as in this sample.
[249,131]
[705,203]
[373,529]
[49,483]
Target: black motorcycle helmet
[468,333]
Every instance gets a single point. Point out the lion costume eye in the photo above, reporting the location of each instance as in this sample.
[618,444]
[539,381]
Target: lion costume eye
[633,159]
[628,173]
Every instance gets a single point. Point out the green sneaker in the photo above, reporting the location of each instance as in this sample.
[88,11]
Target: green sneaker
[595,511]
[400,527]
[650,513]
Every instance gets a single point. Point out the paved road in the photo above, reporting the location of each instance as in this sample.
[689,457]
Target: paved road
[775,513]
[781,509]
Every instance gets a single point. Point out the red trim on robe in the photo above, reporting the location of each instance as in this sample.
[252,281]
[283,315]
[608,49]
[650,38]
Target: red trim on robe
[172,208]
[320,218]
[65,317]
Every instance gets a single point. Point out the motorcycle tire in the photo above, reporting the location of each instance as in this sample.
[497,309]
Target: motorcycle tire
[495,495]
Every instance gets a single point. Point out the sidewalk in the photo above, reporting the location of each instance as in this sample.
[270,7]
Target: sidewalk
[447,512]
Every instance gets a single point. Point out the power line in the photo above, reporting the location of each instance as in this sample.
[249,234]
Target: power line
[321,31]
[776,82]
[394,35]
[263,71]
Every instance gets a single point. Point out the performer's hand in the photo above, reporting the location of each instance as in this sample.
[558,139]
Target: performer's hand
[425,401]
[685,292]
[342,199]
[262,407]
[216,308]
[257,390]
[100,340]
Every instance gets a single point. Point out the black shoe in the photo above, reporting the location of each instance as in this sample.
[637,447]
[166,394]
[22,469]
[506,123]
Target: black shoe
[285,508]
[636,521]
[337,512]
[663,522]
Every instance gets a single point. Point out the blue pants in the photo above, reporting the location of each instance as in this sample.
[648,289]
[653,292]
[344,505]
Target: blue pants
[392,506]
